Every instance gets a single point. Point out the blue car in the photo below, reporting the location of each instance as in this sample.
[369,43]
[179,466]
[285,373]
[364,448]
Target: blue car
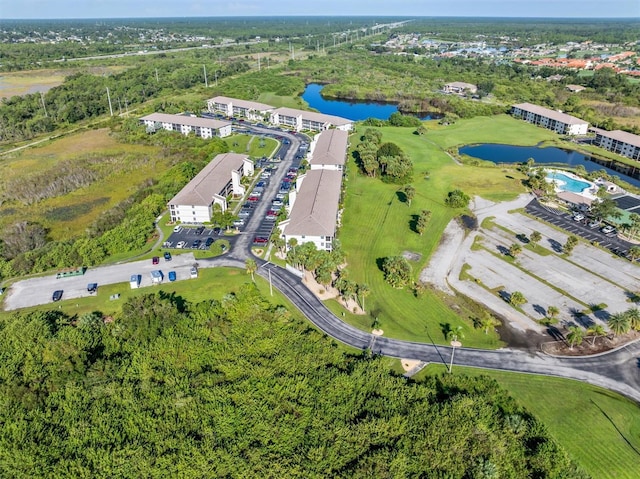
[172,275]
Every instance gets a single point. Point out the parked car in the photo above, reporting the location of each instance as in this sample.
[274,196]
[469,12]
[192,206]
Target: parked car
[196,244]
[199,230]
[217,231]
[181,244]
[92,287]
[209,242]
[239,222]
[578,217]
[608,229]
[261,184]
[594,224]
[177,229]
[172,276]
[57,295]
[254,198]
[276,202]
[193,272]
[244,214]
[260,240]
[155,260]
[167,256]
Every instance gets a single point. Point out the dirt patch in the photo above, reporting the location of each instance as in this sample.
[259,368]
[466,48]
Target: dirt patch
[411,256]
[588,347]
[409,364]
[377,332]
[329,292]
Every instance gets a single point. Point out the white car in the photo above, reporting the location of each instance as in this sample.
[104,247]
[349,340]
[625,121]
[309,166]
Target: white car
[608,229]
[177,229]
[578,217]
[181,244]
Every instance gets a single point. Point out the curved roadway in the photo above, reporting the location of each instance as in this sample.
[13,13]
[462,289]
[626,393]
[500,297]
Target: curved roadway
[617,370]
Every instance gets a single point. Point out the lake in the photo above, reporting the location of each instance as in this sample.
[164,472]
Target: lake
[352,110]
[553,156]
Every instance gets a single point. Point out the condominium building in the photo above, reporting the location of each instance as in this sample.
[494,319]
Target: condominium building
[314,207]
[308,120]
[185,124]
[328,150]
[233,107]
[618,141]
[550,119]
[219,179]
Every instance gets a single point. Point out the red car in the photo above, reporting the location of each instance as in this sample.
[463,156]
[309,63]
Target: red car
[254,198]
[260,240]
[155,260]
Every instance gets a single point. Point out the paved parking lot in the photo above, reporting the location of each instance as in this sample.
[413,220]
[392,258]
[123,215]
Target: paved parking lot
[579,228]
[188,235]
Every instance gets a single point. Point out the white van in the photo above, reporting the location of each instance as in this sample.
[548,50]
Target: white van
[134,281]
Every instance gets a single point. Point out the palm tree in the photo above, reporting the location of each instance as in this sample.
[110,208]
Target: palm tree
[634,318]
[535,237]
[487,322]
[363,291]
[514,250]
[575,336]
[553,311]
[517,299]
[619,323]
[251,266]
[595,331]
[634,253]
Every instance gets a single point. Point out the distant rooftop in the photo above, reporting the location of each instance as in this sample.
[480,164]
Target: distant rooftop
[620,135]
[251,105]
[186,120]
[313,116]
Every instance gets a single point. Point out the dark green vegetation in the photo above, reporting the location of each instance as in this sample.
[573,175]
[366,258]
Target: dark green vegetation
[237,388]
[599,429]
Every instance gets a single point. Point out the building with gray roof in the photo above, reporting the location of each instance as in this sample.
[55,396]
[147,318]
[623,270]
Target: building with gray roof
[551,119]
[185,124]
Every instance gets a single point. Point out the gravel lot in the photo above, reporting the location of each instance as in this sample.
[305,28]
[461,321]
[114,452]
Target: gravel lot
[588,276]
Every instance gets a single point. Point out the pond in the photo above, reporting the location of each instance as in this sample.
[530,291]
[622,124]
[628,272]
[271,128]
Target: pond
[352,110]
[555,156]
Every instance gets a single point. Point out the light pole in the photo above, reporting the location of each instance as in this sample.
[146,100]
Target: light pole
[454,344]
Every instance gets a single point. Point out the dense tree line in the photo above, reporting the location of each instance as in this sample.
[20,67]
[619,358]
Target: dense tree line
[237,388]
[384,160]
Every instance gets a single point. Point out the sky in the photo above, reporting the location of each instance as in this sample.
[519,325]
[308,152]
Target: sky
[46,9]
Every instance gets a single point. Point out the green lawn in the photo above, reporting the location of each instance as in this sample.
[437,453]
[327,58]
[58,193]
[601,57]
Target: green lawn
[271,98]
[599,429]
[375,207]
[254,146]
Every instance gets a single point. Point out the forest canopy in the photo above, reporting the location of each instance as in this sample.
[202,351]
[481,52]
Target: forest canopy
[239,388]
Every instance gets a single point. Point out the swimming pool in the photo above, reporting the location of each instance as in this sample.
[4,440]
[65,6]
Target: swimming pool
[566,183]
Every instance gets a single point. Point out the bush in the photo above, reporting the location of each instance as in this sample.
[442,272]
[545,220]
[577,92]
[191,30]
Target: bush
[457,199]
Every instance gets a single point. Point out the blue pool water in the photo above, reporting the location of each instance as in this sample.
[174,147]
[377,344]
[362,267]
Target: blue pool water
[569,184]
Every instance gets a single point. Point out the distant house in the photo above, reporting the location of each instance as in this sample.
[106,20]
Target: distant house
[308,120]
[233,107]
[202,127]
[575,200]
[328,150]
[550,119]
[219,179]
[314,207]
[575,88]
[618,141]
[460,88]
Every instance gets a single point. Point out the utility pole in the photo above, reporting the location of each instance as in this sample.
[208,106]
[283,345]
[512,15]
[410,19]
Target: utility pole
[206,83]
[109,98]
[43,105]
[157,79]
[216,73]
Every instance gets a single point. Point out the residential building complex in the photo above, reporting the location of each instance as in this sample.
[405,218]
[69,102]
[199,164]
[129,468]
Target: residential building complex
[314,207]
[550,119]
[233,107]
[202,127]
[328,150]
[621,142]
[308,120]
[219,179]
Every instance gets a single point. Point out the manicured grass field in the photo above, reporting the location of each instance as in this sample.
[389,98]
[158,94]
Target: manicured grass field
[271,98]
[599,429]
[376,208]
[238,144]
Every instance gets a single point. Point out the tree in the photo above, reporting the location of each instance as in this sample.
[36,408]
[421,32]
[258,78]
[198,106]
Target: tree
[535,237]
[409,192]
[423,221]
[514,250]
[607,208]
[634,318]
[487,321]
[455,334]
[457,199]
[251,266]
[634,253]
[575,336]
[595,331]
[421,130]
[571,243]
[363,291]
[553,312]
[397,271]
[517,299]
[619,323]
